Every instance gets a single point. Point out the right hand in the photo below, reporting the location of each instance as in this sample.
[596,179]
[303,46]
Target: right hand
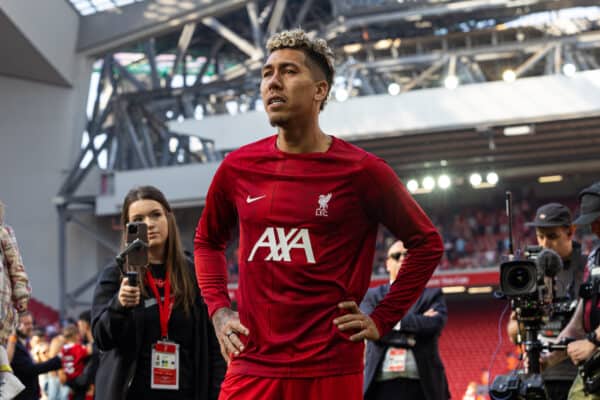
[129,296]
[228,328]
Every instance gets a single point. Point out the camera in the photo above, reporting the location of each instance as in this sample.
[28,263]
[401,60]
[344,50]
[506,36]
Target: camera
[525,386]
[523,278]
[138,255]
[529,285]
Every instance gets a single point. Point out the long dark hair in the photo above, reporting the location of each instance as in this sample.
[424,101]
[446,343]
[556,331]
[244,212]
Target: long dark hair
[182,283]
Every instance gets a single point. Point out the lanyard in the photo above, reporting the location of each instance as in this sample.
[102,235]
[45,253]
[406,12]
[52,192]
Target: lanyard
[164,307]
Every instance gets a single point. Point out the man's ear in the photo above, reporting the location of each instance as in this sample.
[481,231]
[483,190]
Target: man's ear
[570,231]
[322,90]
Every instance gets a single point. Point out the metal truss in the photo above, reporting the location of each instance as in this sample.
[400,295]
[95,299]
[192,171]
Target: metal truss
[471,58]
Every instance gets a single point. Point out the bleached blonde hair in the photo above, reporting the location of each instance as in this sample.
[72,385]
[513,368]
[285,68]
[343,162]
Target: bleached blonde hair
[317,51]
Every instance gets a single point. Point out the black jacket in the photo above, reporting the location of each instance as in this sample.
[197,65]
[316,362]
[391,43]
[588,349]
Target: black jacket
[426,331]
[118,333]
[27,371]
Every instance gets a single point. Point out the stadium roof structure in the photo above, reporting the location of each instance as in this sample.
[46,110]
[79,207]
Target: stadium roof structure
[162,61]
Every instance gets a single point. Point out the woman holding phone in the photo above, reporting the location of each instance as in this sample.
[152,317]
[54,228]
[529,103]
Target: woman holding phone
[155,334]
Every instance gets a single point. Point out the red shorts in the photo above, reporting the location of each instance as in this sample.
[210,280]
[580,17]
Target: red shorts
[244,387]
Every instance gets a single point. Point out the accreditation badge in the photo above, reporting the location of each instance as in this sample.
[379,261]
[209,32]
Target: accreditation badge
[165,366]
[395,360]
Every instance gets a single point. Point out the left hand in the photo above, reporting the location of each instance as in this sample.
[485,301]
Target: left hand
[355,320]
[580,350]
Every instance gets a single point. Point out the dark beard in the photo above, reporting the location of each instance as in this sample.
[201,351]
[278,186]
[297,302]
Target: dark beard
[21,335]
[278,122]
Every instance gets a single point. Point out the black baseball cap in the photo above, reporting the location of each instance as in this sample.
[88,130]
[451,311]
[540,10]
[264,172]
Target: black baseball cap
[551,214]
[589,205]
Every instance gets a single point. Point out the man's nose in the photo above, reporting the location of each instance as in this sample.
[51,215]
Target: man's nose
[274,81]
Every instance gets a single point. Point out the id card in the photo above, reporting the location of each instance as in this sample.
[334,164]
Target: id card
[395,360]
[164,369]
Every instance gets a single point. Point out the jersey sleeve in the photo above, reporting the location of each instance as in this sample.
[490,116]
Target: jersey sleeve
[387,200]
[212,234]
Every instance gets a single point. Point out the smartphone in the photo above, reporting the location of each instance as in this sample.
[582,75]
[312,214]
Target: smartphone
[139,255]
[132,278]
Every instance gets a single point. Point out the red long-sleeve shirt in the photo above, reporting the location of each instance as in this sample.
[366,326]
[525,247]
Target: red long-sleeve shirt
[307,226]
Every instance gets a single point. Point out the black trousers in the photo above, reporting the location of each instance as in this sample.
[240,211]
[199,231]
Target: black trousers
[399,388]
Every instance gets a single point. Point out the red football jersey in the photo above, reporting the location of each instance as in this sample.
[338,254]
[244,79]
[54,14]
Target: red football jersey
[307,226]
[73,359]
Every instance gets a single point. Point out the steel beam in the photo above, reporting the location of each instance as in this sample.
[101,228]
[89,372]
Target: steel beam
[102,33]
[182,45]
[531,61]
[133,139]
[276,17]
[150,50]
[252,10]
[302,13]
[233,37]
[424,75]
[415,14]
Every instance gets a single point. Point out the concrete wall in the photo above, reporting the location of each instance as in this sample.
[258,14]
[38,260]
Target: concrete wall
[51,27]
[40,133]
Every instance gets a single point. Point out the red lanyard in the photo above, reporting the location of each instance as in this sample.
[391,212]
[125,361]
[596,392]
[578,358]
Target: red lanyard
[164,307]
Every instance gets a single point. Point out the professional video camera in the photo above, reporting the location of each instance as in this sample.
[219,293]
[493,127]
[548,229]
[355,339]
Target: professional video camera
[529,285]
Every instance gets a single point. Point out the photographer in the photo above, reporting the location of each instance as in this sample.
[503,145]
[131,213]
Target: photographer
[153,328]
[584,325]
[554,231]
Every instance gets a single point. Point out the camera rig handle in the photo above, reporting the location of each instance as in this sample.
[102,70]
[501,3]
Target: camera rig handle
[120,258]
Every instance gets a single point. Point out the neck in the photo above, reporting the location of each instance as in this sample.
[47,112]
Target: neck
[156,256]
[302,138]
[570,253]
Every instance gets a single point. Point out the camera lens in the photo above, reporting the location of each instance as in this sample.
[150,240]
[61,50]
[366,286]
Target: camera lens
[132,229]
[519,278]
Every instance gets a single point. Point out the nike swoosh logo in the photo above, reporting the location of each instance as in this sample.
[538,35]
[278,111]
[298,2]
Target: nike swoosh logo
[253,199]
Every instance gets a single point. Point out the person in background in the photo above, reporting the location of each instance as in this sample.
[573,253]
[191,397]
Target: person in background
[162,317]
[14,298]
[23,364]
[85,381]
[406,361]
[584,325]
[74,356]
[554,230]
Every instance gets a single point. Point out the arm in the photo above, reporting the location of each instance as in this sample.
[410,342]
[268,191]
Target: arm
[424,325]
[112,323]
[23,364]
[212,234]
[393,206]
[582,349]
[574,329]
[21,291]
[10,347]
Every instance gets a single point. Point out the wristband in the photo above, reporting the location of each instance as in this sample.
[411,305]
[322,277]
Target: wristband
[592,337]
